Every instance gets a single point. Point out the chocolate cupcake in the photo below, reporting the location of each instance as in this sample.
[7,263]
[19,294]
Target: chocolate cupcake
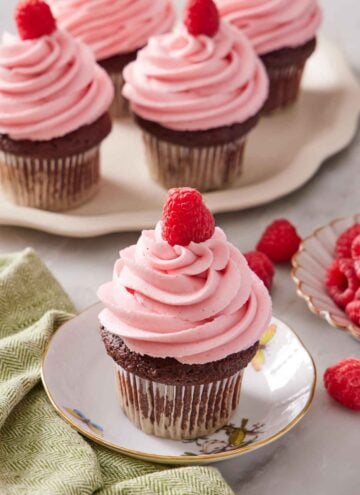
[284,36]
[54,114]
[182,320]
[115,31]
[196,94]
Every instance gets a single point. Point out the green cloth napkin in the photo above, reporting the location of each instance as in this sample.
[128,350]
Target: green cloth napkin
[40,454]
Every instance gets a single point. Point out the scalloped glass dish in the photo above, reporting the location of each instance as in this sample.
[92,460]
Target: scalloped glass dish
[309,267]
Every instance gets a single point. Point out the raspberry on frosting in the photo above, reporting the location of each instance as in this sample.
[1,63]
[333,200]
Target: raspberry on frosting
[34,19]
[186,218]
[196,303]
[202,17]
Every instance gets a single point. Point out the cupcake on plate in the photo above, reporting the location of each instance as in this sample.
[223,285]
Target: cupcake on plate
[183,316]
[115,30]
[284,36]
[54,102]
[196,93]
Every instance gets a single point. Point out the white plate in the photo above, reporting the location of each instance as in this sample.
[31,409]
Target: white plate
[309,269]
[79,379]
[284,151]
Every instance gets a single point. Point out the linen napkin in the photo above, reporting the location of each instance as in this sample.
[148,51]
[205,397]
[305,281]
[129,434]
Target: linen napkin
[40,454]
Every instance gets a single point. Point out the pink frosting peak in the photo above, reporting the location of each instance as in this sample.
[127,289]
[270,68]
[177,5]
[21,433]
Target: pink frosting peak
[273,24]
[187,82]
[197,304]
[49,87]
[112,27]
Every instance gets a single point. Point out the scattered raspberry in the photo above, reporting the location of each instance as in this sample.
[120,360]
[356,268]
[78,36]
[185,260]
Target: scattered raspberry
[262,266]
[186,218]
[280,241]
[342,382]
[34,19]
[344,242]
[353,311]
[342,282]
[202,17]
[355,248]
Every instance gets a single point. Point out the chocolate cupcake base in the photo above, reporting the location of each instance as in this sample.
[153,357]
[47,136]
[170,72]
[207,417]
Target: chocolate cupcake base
[114,66]
[53,175]
[205,160]
[285,70]
[168,399]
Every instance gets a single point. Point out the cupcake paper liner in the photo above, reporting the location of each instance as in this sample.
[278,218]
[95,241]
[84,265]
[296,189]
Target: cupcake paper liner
[205,168]
[54,184]
[174,411]
[120,105]
[284,85]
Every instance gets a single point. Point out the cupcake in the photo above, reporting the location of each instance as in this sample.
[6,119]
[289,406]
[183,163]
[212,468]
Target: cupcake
[284,36]
[196,93]
[183,317]
[115,30]
[54,102]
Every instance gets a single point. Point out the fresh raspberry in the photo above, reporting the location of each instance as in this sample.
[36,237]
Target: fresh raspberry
[202,17]
[357,267]
[353,311]
[262,266]
[342,381]
[280,241]
[34,19]
[186,218]
[355,248]
[344,242]
[341,281]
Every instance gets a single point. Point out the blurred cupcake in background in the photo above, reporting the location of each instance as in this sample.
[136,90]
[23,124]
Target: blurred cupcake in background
[283,33]
[54,102]
[115,30]
[196,93]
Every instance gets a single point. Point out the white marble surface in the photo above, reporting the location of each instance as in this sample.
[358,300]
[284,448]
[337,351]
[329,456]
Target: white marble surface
[321,455]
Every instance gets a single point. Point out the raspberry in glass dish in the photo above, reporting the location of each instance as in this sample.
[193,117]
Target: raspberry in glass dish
[342,279]
[283,34]
[183,317]
[54,102]
[196,93]
[115,30]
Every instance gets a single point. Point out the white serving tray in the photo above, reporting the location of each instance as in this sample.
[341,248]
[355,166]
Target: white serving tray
[283,153]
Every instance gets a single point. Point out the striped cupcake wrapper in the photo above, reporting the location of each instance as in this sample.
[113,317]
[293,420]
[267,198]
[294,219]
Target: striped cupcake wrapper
[120,106]
[54,184]
[284,86]
[205,168]
[174,411]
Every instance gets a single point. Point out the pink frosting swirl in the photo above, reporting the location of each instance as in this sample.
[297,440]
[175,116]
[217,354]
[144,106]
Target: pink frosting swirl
[187,82]
[273,24]
[196,304]
[49,87]
[111,27]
